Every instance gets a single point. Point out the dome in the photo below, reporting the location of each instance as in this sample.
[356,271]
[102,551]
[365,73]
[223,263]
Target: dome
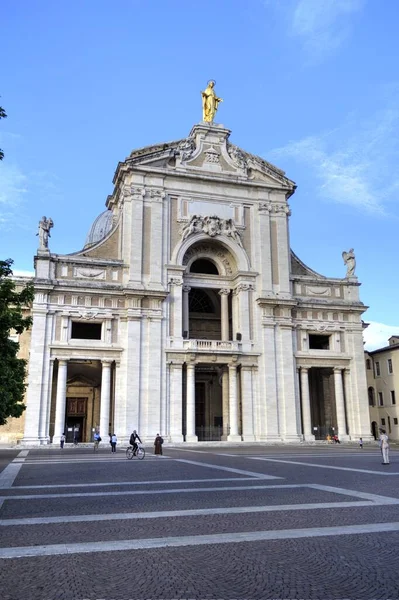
[100,228]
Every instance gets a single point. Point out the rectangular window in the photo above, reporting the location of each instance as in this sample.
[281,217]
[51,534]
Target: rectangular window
[368,364]
[319,342]
[377,369]
[380,399]
[393,398]
[395,421]
[390,369]
[382,421]
[86,331]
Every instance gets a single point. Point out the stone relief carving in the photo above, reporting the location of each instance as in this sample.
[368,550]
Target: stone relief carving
[186,149]
[88,315]
[176,281]
[157,194]
[243,287]
[317,291]
[212,226]
[89,273]
[212,156]
[204,249]
[237,156]
[274,208]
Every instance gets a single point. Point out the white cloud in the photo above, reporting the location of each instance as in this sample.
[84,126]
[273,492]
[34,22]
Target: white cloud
[355,163]
[322,25]
[377,334]
[18,273]
[13,186]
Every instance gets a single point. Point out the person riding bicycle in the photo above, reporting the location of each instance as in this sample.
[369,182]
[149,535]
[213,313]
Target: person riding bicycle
[134,436]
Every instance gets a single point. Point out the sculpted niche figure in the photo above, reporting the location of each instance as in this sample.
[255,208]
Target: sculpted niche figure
[210,102]
[44,232]
[350,262]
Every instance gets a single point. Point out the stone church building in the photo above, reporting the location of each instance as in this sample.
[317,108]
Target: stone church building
[187,314]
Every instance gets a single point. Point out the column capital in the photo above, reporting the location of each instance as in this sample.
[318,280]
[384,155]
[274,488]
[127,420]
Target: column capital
[106,363]
[338,369]
[186,288]
[304,369]
[190,366]
[232,366]
[63,362]
[224,292]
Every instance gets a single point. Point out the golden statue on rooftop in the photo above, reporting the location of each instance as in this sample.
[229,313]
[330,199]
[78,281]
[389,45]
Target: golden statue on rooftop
[210,102]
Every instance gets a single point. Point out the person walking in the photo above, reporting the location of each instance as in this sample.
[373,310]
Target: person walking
[158,445]
[62,441]
[114,441]
[384,445]
[97,440]
[361,442]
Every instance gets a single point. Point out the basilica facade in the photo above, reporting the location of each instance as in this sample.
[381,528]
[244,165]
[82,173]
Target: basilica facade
[187,314]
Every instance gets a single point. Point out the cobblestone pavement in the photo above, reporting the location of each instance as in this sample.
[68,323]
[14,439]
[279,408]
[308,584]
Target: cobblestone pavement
[203,523]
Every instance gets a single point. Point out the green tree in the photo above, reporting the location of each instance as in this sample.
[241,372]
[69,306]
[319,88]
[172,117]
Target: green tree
[12,369]
[3,115]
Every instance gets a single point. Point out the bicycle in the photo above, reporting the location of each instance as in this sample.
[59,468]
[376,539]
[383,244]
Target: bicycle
[139,452]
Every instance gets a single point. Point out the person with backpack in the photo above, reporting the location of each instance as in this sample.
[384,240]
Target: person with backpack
[133,441]
[158,445]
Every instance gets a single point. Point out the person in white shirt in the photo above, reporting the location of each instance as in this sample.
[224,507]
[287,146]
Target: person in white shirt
[384,445]
[114,440]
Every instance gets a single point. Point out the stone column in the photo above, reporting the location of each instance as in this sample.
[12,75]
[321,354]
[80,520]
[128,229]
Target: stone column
[190,405]
[105,398]
[247,404]
[60,406]
[233,405]
[225,403]
[306,414]
[339,404]
[176,308]
[349,403]
[45,413]
[186,312]
[176,401]
[224,295]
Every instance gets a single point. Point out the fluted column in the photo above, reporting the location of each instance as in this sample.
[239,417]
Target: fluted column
[186,312]
[224,295]
[225,403]
[339,404]
[247,403]
[175,401]
[233,405]
[190,405]
[306,414]
[60,406]
[105,398]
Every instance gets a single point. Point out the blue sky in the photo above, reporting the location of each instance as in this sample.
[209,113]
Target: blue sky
[310,85]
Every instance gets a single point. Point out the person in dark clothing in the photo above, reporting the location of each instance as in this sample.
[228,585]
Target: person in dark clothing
[133,441]
[158,444]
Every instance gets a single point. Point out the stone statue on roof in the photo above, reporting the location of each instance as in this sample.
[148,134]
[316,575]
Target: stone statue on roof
[350,262]
[45,224]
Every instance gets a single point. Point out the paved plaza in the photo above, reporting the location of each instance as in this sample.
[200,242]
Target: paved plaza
[224,522]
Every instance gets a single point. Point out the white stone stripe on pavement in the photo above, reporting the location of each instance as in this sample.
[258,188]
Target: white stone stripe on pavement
[354,493]
[8,475]
[121,483]
[236,510]
[196,540]
[228,469]
[317,466]
[145,492]
[23,453]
